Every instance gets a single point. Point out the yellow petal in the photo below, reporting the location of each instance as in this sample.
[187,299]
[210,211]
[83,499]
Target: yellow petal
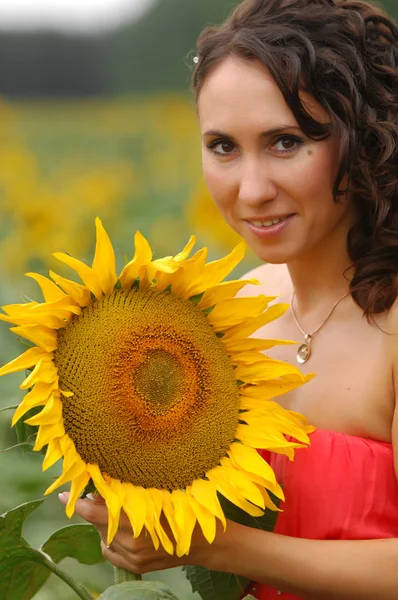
[40,393]
[231,493]
[224,291]
[75,471]
[265,368]
[142,257]
[113,494]
[181,281]
[214,272]
[274,387]
[157,501]
[273,442]
[251,461]
[51,413]
[15,310]
[77,487]
[135,506]
[206,520]
[46,433]
[185,519]
[27,360]
[45,372]
[278,422]
[231,312]
[104,260]
[53,454]
[86,274]
[238,347]
[79,293]
[252,325]
[240,481]
[205,493]
[186,251]
[38,334]
[49,289]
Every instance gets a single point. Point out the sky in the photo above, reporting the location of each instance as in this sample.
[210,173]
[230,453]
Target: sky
[69,15]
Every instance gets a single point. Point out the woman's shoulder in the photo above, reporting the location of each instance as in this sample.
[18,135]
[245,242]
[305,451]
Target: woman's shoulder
[273,280]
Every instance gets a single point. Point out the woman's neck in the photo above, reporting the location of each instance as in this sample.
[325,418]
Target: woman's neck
[321,278]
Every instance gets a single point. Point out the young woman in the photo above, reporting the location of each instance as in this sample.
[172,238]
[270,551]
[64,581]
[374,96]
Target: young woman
[297,102]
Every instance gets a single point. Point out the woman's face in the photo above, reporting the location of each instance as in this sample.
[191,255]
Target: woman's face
[272,184]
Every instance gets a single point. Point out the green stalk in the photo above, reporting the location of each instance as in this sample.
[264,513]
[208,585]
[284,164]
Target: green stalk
[76,586]
[121,575]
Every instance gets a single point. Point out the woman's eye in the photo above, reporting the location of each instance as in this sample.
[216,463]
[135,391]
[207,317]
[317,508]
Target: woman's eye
[222,147]
[287,143]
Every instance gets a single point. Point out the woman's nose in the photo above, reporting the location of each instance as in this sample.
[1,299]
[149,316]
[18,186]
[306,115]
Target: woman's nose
[257,184]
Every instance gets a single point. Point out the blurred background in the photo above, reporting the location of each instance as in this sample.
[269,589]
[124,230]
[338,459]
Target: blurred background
[96,119]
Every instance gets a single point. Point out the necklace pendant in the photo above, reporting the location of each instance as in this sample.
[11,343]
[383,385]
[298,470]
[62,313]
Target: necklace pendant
[303,353]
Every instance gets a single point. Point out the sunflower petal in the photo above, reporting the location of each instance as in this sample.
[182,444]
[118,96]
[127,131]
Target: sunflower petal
[79,293]
[225,290]
[206,520]
[45,372]
[251,461]
[77,487]
[244,330]
[50,415]
[142,258]
[113,494]
[86,274]
[231,493]
[135,507]
[27,360]
[205,493]
[185,519]
[49,290]
[76,470]
[46,433]
[104,265]
[42,336]
[53,454]
[157,501]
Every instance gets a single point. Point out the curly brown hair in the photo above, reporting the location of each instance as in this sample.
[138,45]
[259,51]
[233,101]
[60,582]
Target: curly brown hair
[345,55]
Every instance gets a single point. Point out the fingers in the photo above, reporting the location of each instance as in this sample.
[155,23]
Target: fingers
[93,509]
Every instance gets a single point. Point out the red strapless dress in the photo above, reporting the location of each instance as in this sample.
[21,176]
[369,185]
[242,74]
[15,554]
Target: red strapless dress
[341,487]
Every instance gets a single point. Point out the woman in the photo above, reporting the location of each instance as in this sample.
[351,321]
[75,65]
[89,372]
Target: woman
[297,102]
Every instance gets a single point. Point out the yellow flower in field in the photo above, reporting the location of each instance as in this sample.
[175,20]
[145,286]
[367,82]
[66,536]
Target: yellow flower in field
[152,388]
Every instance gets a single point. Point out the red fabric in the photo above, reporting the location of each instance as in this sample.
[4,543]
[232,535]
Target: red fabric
[342,487]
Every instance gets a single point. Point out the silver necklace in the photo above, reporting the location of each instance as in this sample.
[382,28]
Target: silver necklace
[304,350]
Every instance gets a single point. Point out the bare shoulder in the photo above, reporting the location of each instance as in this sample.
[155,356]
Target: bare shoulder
[274,281]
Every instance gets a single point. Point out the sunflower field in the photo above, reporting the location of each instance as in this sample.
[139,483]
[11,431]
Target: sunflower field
[134,162]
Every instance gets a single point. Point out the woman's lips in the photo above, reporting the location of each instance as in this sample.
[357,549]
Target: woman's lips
[265,231]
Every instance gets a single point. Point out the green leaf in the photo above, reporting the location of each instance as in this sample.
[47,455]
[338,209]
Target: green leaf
[212,585]
[81,542]
[249,597]
[24,570]
[14,519]
[139,590]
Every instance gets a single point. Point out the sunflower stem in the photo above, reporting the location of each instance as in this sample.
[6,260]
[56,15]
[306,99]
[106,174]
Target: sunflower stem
[121,575]
[76,586]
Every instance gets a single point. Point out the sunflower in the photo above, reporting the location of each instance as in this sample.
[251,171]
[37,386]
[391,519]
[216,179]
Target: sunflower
[153,390]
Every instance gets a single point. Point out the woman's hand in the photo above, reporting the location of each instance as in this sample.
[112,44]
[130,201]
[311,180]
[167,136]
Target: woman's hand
[138,555]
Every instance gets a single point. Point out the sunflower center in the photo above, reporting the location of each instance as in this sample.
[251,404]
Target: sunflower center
[155,399]
[158,379]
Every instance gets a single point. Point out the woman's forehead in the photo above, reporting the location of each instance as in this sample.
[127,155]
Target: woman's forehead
[239,89]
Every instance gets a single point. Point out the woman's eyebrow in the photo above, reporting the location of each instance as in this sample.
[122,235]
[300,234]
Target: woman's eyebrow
[273,131]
